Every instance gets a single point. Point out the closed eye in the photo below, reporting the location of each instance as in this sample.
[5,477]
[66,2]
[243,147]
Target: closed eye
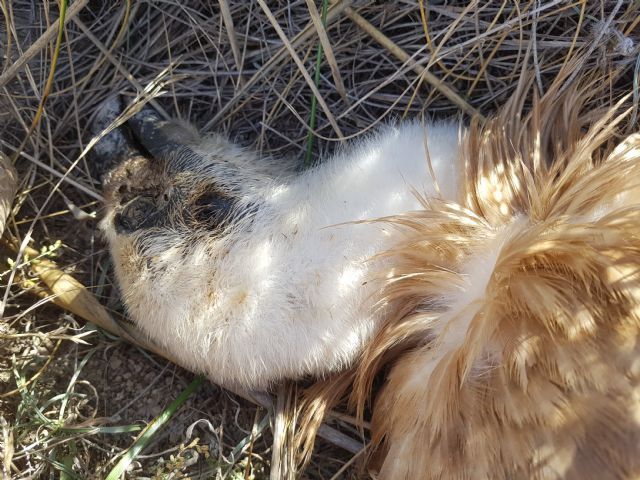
[211,209]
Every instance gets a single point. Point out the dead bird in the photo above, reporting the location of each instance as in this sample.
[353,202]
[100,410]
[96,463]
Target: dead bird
[489,272]
[248,272]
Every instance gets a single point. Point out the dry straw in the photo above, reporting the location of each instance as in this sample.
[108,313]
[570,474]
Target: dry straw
[245,68]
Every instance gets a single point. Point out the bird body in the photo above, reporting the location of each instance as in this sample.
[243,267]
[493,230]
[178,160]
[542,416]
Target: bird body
[279,288]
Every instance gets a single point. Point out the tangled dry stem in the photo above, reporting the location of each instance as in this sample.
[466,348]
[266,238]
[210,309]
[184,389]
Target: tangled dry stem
[229,66]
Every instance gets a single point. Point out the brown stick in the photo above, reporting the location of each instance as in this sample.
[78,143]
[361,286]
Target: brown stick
[231,34]
[404,57]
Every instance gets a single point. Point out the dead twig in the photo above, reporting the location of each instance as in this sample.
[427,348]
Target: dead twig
[403,56]
[231,33]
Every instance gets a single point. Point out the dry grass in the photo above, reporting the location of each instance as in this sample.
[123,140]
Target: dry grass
[72,397]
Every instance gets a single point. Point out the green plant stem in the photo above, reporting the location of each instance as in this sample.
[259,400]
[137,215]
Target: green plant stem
[151,429]
[314,101]
[49,84]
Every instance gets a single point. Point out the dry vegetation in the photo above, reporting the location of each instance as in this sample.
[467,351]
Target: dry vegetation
[74,397]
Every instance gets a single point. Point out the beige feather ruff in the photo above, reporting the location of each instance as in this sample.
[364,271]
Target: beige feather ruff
[543,379]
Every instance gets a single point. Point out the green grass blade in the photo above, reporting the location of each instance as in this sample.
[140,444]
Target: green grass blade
[147,434]
[314,101]
[102,430]
[72,382]
[48,85]
[66,464]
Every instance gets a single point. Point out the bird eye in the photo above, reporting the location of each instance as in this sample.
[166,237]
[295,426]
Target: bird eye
[211,209]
